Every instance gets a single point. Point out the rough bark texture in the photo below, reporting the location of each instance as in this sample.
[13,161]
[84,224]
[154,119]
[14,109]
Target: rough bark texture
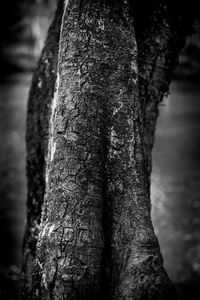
[133,260]
[68,264]
[160,36]
[39,110]
[96,238]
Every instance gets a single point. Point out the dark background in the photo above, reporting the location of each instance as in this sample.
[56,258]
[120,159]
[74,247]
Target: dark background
[176,154]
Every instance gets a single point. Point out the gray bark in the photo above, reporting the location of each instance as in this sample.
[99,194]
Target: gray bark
[160,36]
[89,154]
[37,135]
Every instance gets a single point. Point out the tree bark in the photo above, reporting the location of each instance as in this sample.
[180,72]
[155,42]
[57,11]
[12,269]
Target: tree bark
[89,154]
[37,135]
[160,36]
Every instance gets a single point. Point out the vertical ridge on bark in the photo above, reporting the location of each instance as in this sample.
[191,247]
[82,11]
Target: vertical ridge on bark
[134,263]
[68,262]
[39,107]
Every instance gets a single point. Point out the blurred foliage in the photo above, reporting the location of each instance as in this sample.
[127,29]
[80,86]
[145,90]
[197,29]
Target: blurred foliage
[24,25]
[9,282]
[23,28]
[189,59]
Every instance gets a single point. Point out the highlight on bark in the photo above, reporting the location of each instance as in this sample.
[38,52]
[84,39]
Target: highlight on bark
[91,122]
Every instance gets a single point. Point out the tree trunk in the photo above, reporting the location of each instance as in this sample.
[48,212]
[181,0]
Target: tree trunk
[160,38]
[89,155]
[39,111]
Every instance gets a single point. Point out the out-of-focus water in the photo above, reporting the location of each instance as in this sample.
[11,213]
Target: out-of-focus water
[176,183]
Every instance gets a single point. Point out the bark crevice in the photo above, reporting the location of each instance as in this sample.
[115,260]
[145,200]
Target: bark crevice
[96,239]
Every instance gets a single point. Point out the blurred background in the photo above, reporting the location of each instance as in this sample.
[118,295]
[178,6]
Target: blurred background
[176,155]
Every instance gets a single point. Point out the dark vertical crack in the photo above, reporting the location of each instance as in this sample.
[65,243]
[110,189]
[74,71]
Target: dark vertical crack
[53,282]
[105,263]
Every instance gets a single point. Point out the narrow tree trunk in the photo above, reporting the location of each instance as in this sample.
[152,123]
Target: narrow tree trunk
[96,238]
